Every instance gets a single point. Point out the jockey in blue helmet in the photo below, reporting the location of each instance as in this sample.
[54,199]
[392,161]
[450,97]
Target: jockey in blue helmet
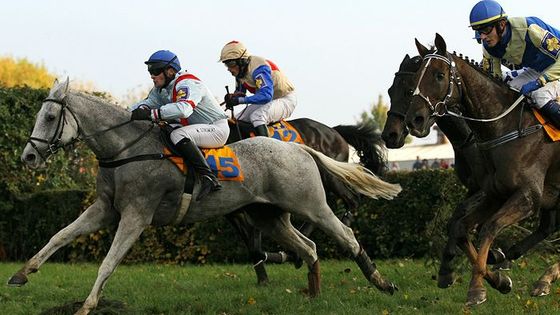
[525,43]
[181,99]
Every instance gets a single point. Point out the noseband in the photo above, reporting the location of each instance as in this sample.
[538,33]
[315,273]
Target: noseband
[440,108]
[55,143]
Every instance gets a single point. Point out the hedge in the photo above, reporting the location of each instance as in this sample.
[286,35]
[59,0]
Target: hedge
[36,204]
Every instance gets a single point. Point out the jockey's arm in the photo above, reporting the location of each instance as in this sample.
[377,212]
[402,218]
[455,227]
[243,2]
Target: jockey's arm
[549,46]
[265,87]
[189,94]
[491,64]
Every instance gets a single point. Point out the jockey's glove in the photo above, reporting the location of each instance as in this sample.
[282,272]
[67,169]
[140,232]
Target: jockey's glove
[232,99]
[530,86]
[141,114]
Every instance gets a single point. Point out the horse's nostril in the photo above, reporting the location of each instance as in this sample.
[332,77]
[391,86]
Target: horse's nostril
[30,157]
[419,120]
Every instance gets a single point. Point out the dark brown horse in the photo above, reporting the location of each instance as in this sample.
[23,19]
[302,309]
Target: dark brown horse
[522,171]
[332,142]
[469,168]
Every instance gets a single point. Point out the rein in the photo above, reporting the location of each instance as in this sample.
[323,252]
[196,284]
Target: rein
[55,143]
[519,133]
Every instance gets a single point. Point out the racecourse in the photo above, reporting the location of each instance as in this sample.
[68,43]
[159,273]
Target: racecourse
[232,289]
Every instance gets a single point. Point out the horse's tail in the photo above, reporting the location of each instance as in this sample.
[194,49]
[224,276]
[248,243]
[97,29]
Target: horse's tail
[355,176]
[368,145]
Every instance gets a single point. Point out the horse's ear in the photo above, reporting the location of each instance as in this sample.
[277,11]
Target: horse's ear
[422,50]
[67,85]
[59,89]
[406,58]
[440,44]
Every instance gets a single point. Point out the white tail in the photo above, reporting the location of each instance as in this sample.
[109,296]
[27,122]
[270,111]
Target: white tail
[357,177]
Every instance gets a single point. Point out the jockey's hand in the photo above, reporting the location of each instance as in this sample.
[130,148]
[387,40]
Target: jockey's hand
[529,87]
[141,114]
[231,100]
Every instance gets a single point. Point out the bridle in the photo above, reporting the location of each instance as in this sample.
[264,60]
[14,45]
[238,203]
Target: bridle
[391,110]
[55,143]
[440,108]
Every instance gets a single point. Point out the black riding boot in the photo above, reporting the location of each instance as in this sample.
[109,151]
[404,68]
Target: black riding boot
[261,130]
[193,157]
[551,111]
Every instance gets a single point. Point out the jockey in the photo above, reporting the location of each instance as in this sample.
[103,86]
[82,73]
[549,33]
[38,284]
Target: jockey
[521,42]
[182,99]
[273,96]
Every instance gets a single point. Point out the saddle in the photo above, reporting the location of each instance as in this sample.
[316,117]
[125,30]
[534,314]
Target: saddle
[280,130]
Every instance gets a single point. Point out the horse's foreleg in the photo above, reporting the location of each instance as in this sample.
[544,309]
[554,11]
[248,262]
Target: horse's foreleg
[252,239]
[518,207]
[466,216]
[96,216]
[130,227]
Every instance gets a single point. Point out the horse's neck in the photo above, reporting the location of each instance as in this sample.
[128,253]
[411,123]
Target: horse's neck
[95,116]
[483,98]
[455,129]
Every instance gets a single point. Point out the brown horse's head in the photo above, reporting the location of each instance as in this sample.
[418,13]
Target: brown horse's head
[435,88]
[395,131]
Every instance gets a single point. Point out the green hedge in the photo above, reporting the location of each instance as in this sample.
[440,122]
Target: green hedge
[412,225]
[36,204]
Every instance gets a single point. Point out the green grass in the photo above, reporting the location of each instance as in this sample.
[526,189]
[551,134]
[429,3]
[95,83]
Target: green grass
[232,289]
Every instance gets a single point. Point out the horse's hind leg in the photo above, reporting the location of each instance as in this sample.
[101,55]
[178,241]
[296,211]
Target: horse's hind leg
[96,217]
[344,236]
[131,225]
[547,226]
[278,226]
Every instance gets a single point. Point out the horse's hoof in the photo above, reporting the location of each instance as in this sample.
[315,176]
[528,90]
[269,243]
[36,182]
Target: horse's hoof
[504,265]
[263,282]
[446,280]
[495,256]
[540,288]
[17,280]
[390,288]
[476,297]
[503,284]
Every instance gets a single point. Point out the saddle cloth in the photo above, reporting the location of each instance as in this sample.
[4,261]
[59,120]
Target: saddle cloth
[222,161]
[552,132]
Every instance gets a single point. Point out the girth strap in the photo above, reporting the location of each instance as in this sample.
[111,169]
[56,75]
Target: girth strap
[144,157]
[509,137]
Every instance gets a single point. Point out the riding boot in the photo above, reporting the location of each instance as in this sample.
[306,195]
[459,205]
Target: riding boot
[261,130]
[551,111]
[193,157]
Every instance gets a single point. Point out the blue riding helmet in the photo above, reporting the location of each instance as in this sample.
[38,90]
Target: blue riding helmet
[486,12]
[162,59]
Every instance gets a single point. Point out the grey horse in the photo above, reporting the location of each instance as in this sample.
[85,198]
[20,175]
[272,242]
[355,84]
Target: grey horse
[149,191]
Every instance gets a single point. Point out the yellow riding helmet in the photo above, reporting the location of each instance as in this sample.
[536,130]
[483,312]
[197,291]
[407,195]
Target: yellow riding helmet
[233,50]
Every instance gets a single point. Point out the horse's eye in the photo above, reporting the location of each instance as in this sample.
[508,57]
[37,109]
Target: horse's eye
[440,76]
[50,117]
[408,93]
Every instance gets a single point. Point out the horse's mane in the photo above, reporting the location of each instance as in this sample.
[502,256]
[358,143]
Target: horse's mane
[478,67]
[98,99]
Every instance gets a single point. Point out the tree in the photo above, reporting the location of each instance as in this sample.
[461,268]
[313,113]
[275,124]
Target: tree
[21,72]
[376,116]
